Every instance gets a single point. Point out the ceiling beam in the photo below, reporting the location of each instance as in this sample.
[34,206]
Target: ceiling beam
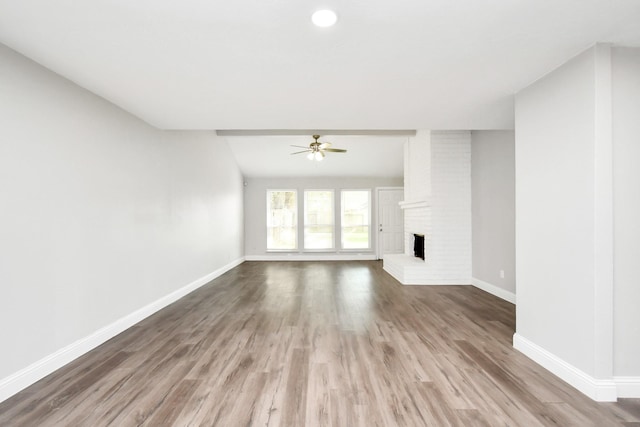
[323,132]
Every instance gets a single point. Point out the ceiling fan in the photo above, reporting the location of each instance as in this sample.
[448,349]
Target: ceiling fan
[317,149]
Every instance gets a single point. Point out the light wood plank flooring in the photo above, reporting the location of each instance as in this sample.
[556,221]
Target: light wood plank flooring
[314,344]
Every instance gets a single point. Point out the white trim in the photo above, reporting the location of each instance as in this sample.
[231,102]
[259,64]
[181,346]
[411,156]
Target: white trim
[313,257]
[494,290]
[413,204]
[603,214]
[36,371]
[597,389]
[628,387]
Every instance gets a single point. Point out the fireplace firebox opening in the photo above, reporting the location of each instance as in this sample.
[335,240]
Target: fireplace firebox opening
[418,246]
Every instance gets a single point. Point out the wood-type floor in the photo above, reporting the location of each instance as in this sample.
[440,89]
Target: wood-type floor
[314,344]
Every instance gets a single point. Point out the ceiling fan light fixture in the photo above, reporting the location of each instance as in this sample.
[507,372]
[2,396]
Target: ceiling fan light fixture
[316,150]
[324,18]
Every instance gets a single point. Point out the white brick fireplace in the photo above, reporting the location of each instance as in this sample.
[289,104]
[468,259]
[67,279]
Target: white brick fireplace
[437,174]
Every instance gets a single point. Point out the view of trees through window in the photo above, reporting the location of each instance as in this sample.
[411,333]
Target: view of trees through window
[355,219]
[282,219]
[319,230]
[318,219]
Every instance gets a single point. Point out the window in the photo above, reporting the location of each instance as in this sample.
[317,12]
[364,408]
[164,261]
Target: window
[318,219]
[282,219]
[356,215]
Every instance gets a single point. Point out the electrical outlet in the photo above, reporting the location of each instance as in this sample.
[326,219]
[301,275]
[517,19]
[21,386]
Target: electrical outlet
[502,274]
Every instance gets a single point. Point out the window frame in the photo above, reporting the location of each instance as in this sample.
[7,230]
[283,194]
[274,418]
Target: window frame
[369,218]
[296,225]
[333,217]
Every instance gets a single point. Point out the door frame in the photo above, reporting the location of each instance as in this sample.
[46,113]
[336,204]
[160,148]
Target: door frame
[377,223]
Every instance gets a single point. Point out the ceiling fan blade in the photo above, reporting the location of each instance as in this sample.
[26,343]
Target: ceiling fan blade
[335,150]
[300,152]
[324,145]
[300,146]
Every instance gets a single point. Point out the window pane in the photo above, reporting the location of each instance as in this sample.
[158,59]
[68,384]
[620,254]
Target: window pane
[318,219]
[282,222]
[356,214]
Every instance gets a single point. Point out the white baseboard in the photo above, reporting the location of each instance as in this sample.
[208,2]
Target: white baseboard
[596,389]
[45,366]
[628,387]
[312,257]
[494,290]
[439,282]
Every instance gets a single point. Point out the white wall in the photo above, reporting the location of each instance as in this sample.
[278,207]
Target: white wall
[417,168]
[626,149]
[555,214]
[577,204]
[101,214]
[255,201]
[493,209]
[450,245]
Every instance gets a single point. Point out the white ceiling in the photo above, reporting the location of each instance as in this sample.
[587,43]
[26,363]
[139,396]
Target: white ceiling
[255,64]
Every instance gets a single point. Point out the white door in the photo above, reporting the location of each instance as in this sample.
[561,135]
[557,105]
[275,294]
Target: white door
[390,221]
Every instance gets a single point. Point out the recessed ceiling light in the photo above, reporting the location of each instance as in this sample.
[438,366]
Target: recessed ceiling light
[324,18]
